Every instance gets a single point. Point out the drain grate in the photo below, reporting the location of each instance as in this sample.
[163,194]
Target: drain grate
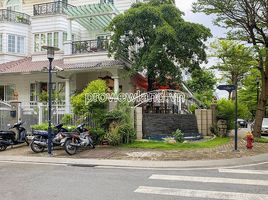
[81,165]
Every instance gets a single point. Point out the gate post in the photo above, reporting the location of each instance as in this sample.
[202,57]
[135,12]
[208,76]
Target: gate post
[40,113]
[15,111]
[138,122]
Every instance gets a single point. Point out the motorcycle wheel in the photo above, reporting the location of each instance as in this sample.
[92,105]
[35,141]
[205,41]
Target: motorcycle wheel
[27,141]
[91,143]
[71,150]
[3,147]
[36,148]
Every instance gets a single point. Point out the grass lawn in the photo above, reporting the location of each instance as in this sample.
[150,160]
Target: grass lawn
[261,140]
[165,146]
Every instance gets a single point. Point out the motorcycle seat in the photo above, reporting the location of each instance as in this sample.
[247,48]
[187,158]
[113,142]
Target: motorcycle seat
[40,132]
[7,133]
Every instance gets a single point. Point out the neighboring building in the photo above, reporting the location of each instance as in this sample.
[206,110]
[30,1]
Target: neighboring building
[76,27]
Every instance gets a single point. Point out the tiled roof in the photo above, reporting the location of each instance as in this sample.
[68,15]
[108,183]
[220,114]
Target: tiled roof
[27,65]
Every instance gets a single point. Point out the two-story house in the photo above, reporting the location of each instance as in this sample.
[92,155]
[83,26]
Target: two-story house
[77,28]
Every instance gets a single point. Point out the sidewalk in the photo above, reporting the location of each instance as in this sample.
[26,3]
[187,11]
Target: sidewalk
[138,163]
[111,156]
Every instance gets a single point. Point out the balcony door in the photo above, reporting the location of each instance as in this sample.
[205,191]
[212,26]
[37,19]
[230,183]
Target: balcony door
[14,5]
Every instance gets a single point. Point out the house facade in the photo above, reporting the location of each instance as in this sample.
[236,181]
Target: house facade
[77,28]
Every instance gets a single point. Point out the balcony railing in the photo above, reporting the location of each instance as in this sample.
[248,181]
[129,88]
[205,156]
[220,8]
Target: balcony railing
[89,46]
[13,16]
[50,8]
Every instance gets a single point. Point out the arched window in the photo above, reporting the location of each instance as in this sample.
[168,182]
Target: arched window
[14,5]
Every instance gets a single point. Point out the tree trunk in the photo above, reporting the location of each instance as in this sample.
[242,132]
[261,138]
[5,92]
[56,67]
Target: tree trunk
[260,112]
[150,78]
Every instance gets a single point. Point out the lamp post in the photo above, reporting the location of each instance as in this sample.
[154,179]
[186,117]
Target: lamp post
[50,56]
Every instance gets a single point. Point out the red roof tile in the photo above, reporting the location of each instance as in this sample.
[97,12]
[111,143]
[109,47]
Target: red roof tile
[27,65]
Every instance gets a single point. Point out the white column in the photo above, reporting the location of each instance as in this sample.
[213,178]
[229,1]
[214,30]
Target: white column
[68,43]
[40,113]
[116,84]
[67,96]
[69,30]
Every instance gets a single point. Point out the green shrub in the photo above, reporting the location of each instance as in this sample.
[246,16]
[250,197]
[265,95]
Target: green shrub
[226,111]
[127,133]
[113,137]
[44,127]
[97,134]
[178,135]
[214,129]
[67,119]
[114,116]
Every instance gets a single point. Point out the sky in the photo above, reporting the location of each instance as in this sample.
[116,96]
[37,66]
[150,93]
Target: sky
[206,20]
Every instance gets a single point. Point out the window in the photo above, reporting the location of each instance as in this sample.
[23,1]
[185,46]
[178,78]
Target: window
[20,44]
[16,44]
[36,42]
[49,39]
[56,39]
[107,1]
[14,5]
[45,39]
[1,41]
[11,43]
[33,92]
[65,37]
[6,92]
[37,88]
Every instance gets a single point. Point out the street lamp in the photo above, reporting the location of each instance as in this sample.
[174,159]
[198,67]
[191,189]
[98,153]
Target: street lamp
[50,56]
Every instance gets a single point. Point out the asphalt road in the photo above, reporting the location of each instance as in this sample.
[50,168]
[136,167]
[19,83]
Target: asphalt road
[60,182]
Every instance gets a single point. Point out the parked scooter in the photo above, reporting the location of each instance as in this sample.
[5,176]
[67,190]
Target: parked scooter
[15,136]
[79,138]
[40,140]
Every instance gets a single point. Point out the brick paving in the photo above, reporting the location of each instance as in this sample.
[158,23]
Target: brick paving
[106,152]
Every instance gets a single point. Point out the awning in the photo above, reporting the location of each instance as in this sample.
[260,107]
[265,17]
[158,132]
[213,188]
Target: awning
[92,16]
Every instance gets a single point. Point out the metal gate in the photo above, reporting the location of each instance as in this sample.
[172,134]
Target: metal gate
[5,117]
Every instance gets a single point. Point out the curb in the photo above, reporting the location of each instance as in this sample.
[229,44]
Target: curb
[262,158]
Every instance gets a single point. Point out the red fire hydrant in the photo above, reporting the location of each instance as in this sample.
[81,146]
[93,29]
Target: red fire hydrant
[250,140]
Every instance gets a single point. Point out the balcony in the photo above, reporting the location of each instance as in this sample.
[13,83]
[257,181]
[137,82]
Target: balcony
[13,16]
[89,46]
[51,8]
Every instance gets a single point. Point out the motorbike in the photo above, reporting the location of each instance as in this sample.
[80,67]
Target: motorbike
[9,138]
[79,138]
[40,140]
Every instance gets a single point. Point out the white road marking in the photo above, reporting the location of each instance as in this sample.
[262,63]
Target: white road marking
[243,171]
[201,193]
[210,180]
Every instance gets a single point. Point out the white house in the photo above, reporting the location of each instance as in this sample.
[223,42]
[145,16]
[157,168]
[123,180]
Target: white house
[76,27]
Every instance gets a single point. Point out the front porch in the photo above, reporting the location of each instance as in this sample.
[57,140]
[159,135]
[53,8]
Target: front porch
[26,81]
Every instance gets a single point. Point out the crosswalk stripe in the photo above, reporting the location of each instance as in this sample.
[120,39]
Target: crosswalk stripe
[201,193]
[243,171]
[210,180]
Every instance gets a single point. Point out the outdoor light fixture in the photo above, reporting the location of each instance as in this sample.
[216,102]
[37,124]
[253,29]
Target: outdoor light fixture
[50,56]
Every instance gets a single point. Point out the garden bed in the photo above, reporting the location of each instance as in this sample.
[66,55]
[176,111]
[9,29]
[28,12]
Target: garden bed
[151,144]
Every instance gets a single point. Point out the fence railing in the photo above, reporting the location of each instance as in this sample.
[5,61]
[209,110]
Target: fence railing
[13,16]
[88,46]
[50,8]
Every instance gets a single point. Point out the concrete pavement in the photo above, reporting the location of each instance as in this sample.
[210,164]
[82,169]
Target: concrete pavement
[43,182]
[263,158]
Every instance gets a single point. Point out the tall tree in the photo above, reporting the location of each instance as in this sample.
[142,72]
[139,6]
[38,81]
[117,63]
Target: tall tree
[202,84]
[157,40]
[247,94]
[247,20]
[235,60]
